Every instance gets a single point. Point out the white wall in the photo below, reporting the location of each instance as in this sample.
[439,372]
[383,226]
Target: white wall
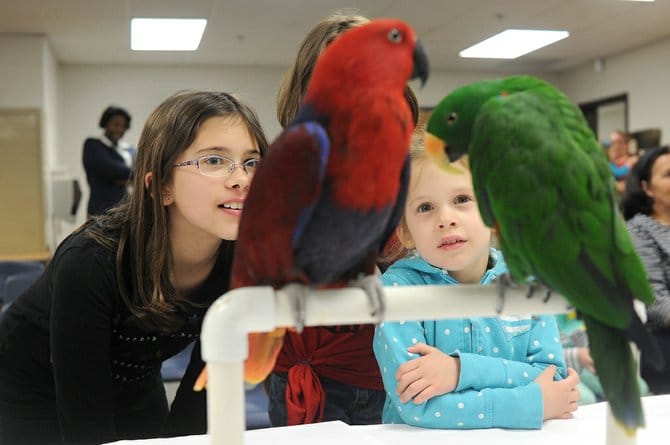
[72,97]
[28,79]
[85,91]
[50,113]
[21,71]
[642,73]
[440,83]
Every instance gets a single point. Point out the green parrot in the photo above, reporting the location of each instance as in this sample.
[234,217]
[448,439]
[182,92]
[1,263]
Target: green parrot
[543,184]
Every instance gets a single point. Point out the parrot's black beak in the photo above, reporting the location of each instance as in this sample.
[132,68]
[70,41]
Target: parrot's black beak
[421,66]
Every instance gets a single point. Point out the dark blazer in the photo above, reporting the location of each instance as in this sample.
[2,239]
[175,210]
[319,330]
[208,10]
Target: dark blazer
[106,173]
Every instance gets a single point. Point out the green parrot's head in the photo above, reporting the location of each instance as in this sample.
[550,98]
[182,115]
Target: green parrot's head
[450,126]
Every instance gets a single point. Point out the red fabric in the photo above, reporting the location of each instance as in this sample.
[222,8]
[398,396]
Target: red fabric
[305,398]
[341,353]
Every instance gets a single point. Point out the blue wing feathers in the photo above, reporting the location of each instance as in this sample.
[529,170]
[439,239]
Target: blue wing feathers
[320,144]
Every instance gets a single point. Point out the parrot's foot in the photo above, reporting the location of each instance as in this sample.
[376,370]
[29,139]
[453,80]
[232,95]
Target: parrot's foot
[537,286]
[504,281]
[297,293]
[374,289]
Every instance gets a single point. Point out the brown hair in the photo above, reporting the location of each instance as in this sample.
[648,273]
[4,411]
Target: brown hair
[143,256]
[295,82]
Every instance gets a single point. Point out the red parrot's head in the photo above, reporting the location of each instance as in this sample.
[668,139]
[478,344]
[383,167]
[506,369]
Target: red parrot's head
[384,53]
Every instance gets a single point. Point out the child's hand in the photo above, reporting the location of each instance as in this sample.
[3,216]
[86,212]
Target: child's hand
[584,357]
[560,398]
[433,374]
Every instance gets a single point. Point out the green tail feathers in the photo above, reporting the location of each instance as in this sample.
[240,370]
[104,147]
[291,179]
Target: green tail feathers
[617,370]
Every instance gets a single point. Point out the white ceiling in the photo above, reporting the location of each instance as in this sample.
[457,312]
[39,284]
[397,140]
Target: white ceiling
[267,32]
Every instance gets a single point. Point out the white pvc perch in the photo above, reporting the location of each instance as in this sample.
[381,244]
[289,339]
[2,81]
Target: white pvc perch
[261,309]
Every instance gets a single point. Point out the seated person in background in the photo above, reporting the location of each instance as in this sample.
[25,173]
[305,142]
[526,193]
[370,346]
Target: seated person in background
[577,356]
[108,161]
[477,372]
[620,161]
[646,208]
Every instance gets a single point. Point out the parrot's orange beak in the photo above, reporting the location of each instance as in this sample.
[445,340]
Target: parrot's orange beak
[436,149]
[263,351]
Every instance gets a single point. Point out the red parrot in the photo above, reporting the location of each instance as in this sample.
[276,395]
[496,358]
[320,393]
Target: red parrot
[332,187]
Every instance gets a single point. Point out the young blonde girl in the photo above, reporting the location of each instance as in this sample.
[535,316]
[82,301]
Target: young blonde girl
[477,372]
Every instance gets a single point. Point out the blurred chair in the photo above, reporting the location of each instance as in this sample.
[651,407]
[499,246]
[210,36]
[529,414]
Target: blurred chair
[18,283]
[648,138]
[19,275]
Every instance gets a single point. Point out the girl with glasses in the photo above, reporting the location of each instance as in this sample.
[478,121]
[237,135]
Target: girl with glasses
[81,350]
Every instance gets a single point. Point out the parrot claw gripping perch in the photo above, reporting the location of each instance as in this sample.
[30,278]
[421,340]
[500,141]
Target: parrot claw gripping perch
[504,281]
[375,292]
[536,286]
[297,293]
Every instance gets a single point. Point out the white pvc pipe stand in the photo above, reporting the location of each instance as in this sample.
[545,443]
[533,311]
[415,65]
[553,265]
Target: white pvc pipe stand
[261,309]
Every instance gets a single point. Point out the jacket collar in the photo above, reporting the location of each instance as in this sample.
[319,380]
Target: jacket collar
[416,262]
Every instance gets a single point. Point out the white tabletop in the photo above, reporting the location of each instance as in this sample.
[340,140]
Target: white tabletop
[587,426]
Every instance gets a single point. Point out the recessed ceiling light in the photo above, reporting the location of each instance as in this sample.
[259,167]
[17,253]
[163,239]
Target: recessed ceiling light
[513,43]
[166,34]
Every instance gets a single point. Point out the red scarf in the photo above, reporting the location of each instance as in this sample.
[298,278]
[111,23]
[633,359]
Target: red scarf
[341,353]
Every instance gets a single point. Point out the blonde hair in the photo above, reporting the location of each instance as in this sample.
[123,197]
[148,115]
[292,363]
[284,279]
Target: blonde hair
[295,82]
[397,246]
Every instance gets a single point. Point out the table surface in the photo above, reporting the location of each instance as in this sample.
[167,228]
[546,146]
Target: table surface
[587,426]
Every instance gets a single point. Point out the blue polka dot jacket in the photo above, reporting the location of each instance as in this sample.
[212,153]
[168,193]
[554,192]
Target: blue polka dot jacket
[500,357]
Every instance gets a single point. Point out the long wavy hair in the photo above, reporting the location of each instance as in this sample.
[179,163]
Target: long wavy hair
[137,229]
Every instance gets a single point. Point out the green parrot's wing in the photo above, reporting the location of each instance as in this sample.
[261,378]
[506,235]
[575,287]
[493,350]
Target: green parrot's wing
[538,168]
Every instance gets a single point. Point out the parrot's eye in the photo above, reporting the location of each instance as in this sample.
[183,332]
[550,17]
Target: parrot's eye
[451,119]
[395,35]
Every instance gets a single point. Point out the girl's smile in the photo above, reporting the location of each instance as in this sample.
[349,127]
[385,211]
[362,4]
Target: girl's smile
[232,207]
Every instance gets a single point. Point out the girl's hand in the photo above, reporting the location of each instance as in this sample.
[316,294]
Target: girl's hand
[433,374]
[559,397]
